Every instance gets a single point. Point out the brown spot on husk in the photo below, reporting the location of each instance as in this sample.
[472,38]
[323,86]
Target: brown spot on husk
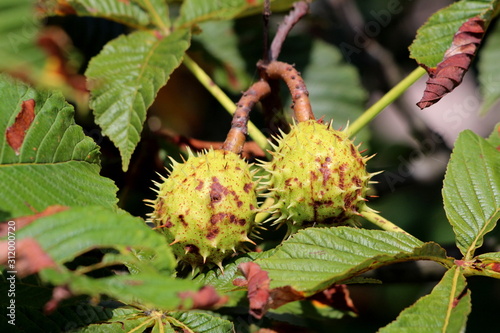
[342,170]
[181,218]
[191,248]
[212,233]
[248,187]
[325,170]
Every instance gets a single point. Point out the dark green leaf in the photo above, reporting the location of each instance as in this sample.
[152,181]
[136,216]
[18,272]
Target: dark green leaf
[125,78]
[445,309]
[471,191]
[315,258]
[56,163]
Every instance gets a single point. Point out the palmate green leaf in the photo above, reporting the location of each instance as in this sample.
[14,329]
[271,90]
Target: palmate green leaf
[151,290]
[200,322]
[471,191]
[445,309]
[488,65]
[70,233]
[56,163]
[334,87]
[197,11]
[125,78]
[436,35]
[18,30]
[315,258]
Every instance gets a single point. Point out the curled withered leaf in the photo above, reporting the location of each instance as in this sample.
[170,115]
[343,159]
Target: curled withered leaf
[260,297]
[448,74]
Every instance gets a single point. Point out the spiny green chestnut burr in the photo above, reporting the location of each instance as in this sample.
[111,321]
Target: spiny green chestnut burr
[317,177]
[206,207]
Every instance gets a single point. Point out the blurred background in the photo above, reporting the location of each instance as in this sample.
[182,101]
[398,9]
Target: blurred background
[350,53]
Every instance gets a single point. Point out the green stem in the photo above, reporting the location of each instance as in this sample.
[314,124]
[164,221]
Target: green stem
[257,136]
[380,221]
[387,99]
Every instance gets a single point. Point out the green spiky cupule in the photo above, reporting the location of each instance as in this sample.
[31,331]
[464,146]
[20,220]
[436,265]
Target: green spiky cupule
[317,177]
[206,207]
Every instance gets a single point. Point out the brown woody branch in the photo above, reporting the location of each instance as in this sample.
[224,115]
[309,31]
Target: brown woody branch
[299,10]
[300,96]
[236,137]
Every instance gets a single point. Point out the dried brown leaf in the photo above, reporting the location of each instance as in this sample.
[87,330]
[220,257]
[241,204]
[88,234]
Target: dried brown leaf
[262,298]
[448,74]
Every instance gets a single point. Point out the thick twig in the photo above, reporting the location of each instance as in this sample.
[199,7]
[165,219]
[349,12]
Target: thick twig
[237,135]
[299,10]
[300,96]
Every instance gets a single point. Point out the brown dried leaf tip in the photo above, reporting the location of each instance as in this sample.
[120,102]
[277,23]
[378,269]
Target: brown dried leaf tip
[17,131]
[456,61]
[260,296]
